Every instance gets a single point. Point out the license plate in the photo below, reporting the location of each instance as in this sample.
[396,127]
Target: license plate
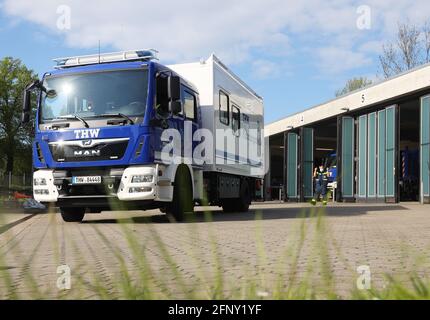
[87,180]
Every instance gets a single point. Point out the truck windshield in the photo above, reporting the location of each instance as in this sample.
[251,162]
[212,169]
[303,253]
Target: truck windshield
[91,95]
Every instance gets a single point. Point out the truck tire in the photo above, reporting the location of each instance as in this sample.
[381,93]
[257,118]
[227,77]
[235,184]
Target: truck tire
[242,204]
[182,203]
[72,214]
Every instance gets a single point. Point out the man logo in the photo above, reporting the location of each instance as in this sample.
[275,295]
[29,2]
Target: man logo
[86,153]
[86,133]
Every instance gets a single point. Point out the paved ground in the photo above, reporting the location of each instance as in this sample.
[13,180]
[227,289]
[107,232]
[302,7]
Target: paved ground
[110,250]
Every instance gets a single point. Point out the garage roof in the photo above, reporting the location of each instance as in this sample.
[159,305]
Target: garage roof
[403,84]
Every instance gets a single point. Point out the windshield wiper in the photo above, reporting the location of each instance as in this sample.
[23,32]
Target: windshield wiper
[117,115]
[69,117]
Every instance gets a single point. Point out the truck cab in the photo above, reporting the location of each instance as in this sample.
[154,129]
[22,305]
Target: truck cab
[99,141]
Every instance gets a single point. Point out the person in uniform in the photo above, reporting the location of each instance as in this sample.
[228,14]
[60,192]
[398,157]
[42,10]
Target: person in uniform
[321,181]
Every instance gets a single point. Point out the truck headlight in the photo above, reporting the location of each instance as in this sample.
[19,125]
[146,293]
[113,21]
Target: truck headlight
[142,178]
[39,181]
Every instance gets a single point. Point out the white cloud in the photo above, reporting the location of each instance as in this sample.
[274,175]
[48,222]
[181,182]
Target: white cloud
[264,69]
[333,60]
[185,30]
[238,31]
[374,46]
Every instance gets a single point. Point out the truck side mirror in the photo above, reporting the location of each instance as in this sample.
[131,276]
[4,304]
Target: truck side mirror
[174,88]
[26,106]
[175,107]
[26,101]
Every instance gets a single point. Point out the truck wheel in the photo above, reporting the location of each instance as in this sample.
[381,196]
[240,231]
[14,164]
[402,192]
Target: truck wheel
[242,204]
[182,203]
[72,214]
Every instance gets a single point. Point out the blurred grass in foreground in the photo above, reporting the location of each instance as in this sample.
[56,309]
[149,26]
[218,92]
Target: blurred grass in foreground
[291,280]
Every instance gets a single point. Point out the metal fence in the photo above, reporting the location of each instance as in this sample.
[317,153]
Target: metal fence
[13,182]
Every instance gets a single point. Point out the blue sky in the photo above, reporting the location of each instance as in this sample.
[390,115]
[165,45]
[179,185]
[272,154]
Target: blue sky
[295,54]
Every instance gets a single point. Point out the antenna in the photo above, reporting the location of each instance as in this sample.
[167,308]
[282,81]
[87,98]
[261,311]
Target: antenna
[99,51]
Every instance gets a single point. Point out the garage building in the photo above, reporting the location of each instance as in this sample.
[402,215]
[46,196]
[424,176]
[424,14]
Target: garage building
[376,142]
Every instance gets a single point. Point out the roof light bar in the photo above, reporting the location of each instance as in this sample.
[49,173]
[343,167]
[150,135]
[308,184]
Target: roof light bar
[131,55]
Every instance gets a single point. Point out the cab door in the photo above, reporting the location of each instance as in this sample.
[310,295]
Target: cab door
[191,122]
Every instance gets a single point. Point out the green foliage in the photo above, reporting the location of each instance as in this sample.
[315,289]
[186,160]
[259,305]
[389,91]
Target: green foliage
[15,139]
[354,84]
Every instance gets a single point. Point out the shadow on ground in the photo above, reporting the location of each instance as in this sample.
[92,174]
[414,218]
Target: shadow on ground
[4,268]
[265,214]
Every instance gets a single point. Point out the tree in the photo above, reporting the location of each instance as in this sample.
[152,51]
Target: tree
[14,77]
[409,50]
[353,84]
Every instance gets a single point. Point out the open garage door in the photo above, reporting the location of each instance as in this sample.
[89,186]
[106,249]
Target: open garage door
[391,132]
[381,155]
[367,157]
[346,146]
[425,149]
[387,132]
[371,155]
[307,160]
[291,166]
[362,157]
[377,156]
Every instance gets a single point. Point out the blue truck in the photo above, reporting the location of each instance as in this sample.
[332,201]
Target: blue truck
[100,135]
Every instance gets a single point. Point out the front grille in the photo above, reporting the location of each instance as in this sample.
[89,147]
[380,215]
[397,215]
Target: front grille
[87,190]
[88,150]
[111,179]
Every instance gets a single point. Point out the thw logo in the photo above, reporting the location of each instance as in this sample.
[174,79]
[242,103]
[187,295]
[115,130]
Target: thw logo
[87,133]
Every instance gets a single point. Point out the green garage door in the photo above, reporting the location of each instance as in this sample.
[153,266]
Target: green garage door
[347,158]
[371,156]
[425,149]
[307,139]
[377,156]
[381,155]
[367,157]
[390,154]
[362,157]
[292,149]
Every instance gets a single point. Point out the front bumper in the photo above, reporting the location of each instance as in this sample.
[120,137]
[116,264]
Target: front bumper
[116,184]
